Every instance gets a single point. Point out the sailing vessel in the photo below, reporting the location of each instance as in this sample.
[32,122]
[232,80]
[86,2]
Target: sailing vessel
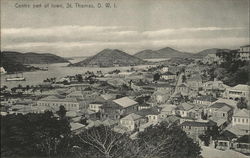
[16,78]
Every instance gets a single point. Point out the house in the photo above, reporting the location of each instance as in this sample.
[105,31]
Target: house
[132,121]
[214,87]
[205,100]
[191,69]
[96,104]
[242,144]
[241,117]
[237,92]
[77,128]
[194,82]
[75,94]
[165,69]
[168,76]
[185,110]
[168,110]
[152,114]
[165,87]
[115,109]
[183,89]
[225,140]
[70,104]
[196,128]
[218,111]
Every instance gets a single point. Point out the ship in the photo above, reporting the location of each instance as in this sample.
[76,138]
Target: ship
[16,78]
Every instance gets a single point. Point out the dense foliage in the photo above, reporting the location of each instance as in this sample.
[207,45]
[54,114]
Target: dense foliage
[43,135]
[166,140]
[33,134]
[232,71]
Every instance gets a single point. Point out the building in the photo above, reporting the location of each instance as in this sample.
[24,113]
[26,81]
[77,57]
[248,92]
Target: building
[152,114]
[237,92]
[2,70]
[215,85]
[168,110]
[168,76]
[196,128]
[195,82]
[210,59]
[241,117]
[185,110]
[183,89]
[244,52]
[132,121]
[116,109]
[218,111]
[205,100]
[70,104]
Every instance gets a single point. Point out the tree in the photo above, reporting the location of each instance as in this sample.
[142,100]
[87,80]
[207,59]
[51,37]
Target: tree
[102,142]
[166,140]
[242,103]
[156,77]
[33,135]
[61,112]
[79,77]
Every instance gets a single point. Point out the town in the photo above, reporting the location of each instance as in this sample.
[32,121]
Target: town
[198,97]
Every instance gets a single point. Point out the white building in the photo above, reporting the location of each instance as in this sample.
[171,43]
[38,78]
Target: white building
[54,103]
[241,117]
[132,121]
[244,52]
[236,92]
[2,70]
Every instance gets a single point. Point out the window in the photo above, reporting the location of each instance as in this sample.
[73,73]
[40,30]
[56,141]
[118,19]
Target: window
[223,114]
[243,120]
[238,119]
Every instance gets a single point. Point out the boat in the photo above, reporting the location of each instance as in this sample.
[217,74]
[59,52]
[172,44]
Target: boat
[16,78]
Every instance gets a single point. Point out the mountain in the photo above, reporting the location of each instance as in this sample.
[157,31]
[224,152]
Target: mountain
[32,58]
[110,57]
[161,53]
[16,61]
[205,52]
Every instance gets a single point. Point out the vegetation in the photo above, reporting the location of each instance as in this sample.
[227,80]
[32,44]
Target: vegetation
[231,71]
[242,103]
[43,135]
[33,135]
[166,140]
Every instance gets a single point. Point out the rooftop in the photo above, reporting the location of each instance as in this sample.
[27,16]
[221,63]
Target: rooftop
[125,102]
[242,113]
[198,124]
[241,87]
[150,111]
[206,98]
[185,106]
[219,105]
[132,116]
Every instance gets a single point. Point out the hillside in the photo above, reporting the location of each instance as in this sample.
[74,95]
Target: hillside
[205,52]
[32,58]
[161,53]
[110,57]
[16,61]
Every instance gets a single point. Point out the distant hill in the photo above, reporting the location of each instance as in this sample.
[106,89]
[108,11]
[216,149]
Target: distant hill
[32,58]
[205,52]
[16,61]
[161,53]
[110,57]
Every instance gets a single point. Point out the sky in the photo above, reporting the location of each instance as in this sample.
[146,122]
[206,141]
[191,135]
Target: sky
[132,26]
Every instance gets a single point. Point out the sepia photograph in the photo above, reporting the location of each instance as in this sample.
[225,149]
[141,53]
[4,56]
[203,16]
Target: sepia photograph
[125,78]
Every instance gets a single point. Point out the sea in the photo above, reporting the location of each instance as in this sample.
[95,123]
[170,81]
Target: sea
[57,70]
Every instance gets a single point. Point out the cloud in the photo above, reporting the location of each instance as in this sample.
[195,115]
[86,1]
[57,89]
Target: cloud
[79,40]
